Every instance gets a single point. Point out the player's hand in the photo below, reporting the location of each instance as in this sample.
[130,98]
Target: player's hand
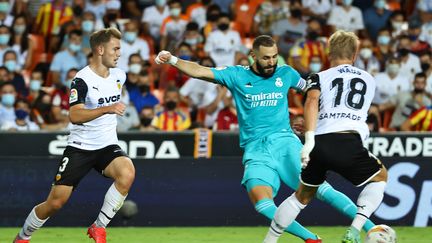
[163,57]
[307,148]
[117,108]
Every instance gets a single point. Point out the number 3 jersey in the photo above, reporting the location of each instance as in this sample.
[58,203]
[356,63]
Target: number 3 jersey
[346,95]
[94,91]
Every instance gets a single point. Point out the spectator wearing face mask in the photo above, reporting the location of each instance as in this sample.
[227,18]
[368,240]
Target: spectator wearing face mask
[346,17]
[418,46]
[21,43]
[8,97]
[5,9]
[410,63]
[382,48]
[287,31]
[35,86]
[171,117]
[171,76]
[212,16]
[305,48]
[173,27]
[88,25]
[10,61]
[72,57]
[22,122]
[132,43]
[112,15]
[366,59]
[146,117]
[193,37]
[224,44]
[132,76]
[397,24]
[405,103]
[145,96]
[153,17]
[375,18]
[5,37]
[390,83]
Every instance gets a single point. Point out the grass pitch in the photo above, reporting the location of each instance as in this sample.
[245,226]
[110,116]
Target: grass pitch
[198,235]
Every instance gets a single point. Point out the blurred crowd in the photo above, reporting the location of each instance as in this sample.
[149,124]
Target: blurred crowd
[44,43]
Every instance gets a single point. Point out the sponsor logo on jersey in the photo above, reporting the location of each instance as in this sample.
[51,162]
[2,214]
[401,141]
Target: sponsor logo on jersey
[73,96]
[264,99]
[107,100]
[332,115]
[278,82]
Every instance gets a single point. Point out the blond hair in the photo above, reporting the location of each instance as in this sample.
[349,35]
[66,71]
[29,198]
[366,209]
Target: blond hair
[343,45]
[103,36]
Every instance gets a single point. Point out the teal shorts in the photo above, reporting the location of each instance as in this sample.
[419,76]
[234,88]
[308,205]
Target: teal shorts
[272,159]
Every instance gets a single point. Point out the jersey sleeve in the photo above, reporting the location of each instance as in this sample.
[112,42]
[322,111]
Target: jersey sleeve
[313,82]
[225,76]
[297,82]
[78,92]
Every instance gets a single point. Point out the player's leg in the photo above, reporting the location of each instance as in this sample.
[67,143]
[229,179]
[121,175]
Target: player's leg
[74,165]
[288,211]
[370,197]
[261,196]
[114,164]
[290,171]
[58,196]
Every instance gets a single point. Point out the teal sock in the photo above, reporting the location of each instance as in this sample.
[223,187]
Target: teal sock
[342,203]
[267,208]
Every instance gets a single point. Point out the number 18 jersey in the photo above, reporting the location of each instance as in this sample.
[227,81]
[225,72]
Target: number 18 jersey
[346,95]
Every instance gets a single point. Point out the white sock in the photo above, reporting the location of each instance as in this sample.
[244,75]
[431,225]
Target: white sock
[368,201]
[285,215]
[31,224]
[112,203]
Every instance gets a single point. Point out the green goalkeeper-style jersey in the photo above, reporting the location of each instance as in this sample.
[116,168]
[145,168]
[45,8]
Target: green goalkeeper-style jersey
[261,102]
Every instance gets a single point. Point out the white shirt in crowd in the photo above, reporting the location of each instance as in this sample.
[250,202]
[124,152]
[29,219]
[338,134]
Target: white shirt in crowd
[387,87]
[13,126]
[351,20]
[154,19]
[222,47]
[411,67]
[139,46]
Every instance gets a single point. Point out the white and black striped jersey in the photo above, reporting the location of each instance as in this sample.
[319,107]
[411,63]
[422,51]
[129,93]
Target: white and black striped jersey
[346,95]
[94,91]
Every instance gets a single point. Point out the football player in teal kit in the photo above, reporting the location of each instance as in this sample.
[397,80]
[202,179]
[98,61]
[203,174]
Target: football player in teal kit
[271,149]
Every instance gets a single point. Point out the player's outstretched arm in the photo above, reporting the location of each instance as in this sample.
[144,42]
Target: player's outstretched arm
[192,69]
[78,114]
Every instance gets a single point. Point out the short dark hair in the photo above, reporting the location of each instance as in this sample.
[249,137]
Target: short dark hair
[420,75]
[192,26]
[263,40]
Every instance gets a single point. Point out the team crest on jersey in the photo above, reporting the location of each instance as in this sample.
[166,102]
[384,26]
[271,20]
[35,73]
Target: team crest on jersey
[119,85]
[73,96]
[278,82]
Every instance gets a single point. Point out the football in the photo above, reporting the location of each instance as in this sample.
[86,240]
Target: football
[381,234]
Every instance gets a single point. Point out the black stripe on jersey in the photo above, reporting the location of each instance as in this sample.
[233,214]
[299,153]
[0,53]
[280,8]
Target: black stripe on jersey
[313,82]
[81,90]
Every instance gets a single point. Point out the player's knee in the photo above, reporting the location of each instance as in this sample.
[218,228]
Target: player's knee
[56,204]
[382,176]
[127,175]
